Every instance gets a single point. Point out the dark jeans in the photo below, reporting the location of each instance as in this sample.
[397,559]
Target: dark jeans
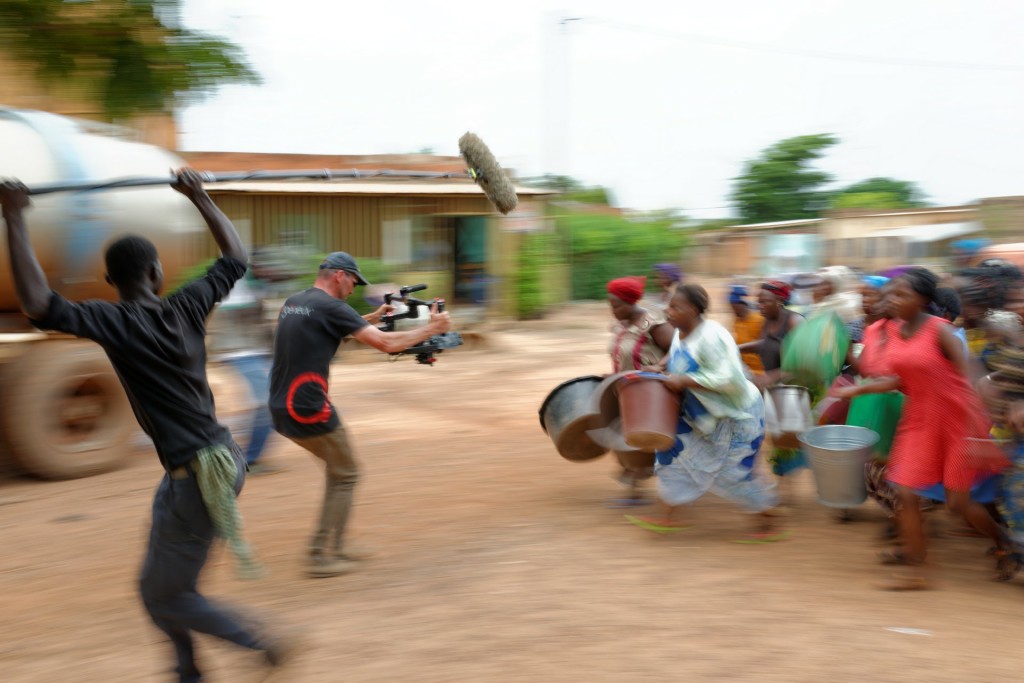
[179,543]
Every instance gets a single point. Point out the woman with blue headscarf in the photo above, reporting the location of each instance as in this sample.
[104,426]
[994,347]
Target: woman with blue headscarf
[746,326]
[870,296]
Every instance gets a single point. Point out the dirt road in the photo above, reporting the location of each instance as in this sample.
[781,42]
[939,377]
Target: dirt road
[496,560]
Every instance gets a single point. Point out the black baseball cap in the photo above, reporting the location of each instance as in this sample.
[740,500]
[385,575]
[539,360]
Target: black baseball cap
[342,260]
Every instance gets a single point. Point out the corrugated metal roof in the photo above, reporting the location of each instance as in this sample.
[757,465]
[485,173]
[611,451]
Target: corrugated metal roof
[929,233]
[351,187]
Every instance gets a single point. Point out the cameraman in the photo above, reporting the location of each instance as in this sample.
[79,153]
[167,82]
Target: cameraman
[310,327]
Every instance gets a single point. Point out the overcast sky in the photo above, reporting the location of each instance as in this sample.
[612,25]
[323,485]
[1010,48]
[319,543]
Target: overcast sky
[660,101]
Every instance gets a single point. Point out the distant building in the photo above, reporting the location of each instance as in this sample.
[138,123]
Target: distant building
[442,232]
[869,240]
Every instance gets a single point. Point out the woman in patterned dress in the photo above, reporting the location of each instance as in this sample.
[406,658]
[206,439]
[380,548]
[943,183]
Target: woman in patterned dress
[721,425]
[640,337]
[940,413]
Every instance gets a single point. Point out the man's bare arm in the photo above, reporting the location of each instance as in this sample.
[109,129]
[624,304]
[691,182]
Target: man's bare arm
[393,342]
[223,230]
[29,280]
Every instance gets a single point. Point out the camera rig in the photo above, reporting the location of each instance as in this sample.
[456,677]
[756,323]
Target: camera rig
[425,350]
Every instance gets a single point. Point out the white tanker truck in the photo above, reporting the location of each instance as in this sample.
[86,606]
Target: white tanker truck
[63,413]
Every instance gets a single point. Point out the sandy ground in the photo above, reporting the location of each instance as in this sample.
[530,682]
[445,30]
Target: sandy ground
[495,559]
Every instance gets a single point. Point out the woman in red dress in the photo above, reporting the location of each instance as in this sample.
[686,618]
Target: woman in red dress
[940,413]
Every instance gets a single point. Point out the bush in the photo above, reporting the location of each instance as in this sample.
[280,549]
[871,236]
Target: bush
[536,252]
[603,248]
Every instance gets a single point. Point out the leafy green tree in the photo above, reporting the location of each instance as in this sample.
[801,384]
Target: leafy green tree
[572,189]
[880,193]
[780,183]
[130,55]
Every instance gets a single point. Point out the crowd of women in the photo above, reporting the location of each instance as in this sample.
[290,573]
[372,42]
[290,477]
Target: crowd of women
[935,367]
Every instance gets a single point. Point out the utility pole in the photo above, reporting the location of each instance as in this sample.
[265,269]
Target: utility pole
[558,93]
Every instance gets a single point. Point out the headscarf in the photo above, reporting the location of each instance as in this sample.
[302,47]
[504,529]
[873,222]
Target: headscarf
[779,289]
[874,281]
[737,294]
[669,271]
[629,289]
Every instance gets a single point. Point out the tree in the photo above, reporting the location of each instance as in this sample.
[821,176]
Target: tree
[780,184]
[130,55]
[572,189]
[880,193]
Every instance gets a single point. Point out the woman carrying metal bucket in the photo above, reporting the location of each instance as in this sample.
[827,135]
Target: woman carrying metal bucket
[779,321]
[639,338]
[721,426]
[940,414]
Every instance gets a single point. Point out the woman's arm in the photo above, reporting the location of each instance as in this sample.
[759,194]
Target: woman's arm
[662,335]
[953,349]
[878,385]
[657,367]
[751,345]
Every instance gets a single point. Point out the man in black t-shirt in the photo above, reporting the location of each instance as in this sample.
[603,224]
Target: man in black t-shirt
[157,348]
[310,327]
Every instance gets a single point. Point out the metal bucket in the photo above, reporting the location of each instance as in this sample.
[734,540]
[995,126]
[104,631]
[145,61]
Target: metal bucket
[787,414]
[566,417]
[837,454]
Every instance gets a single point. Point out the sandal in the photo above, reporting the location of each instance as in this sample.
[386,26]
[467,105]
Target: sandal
[1008,564]
[656,525]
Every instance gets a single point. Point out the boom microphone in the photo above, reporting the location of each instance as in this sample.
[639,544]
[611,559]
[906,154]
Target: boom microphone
[485,170]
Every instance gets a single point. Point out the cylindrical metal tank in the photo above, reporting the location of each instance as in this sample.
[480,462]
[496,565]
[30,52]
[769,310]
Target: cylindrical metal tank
[63,412]
[70,230]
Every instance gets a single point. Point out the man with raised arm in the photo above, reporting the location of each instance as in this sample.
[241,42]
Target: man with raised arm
[156,345]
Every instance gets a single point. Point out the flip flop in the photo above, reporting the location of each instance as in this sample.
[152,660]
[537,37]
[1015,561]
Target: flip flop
[656,528]
[764,538]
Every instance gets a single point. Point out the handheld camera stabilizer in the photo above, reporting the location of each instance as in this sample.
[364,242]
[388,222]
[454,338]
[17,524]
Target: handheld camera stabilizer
[425,350]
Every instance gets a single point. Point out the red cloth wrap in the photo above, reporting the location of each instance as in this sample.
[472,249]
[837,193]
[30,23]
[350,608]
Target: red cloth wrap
[779,289]
[629,289]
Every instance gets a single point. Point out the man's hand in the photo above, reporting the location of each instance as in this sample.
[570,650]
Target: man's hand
[189,183]
[439,322]
[13,197]
[374,318]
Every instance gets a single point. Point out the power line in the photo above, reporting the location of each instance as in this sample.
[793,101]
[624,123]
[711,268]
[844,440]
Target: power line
[804,52]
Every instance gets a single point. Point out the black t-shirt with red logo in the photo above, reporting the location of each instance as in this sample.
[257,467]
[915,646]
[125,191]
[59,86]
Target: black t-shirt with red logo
[310,327]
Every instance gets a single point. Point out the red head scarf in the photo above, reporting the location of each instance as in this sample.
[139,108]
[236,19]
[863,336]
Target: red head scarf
[629,289]
[779,289]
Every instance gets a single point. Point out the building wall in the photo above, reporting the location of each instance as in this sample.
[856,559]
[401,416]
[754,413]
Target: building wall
[1003,218]
[358,224]
[850,238]
[20,88]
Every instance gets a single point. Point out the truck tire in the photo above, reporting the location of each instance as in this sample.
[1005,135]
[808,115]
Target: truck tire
[65,414]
